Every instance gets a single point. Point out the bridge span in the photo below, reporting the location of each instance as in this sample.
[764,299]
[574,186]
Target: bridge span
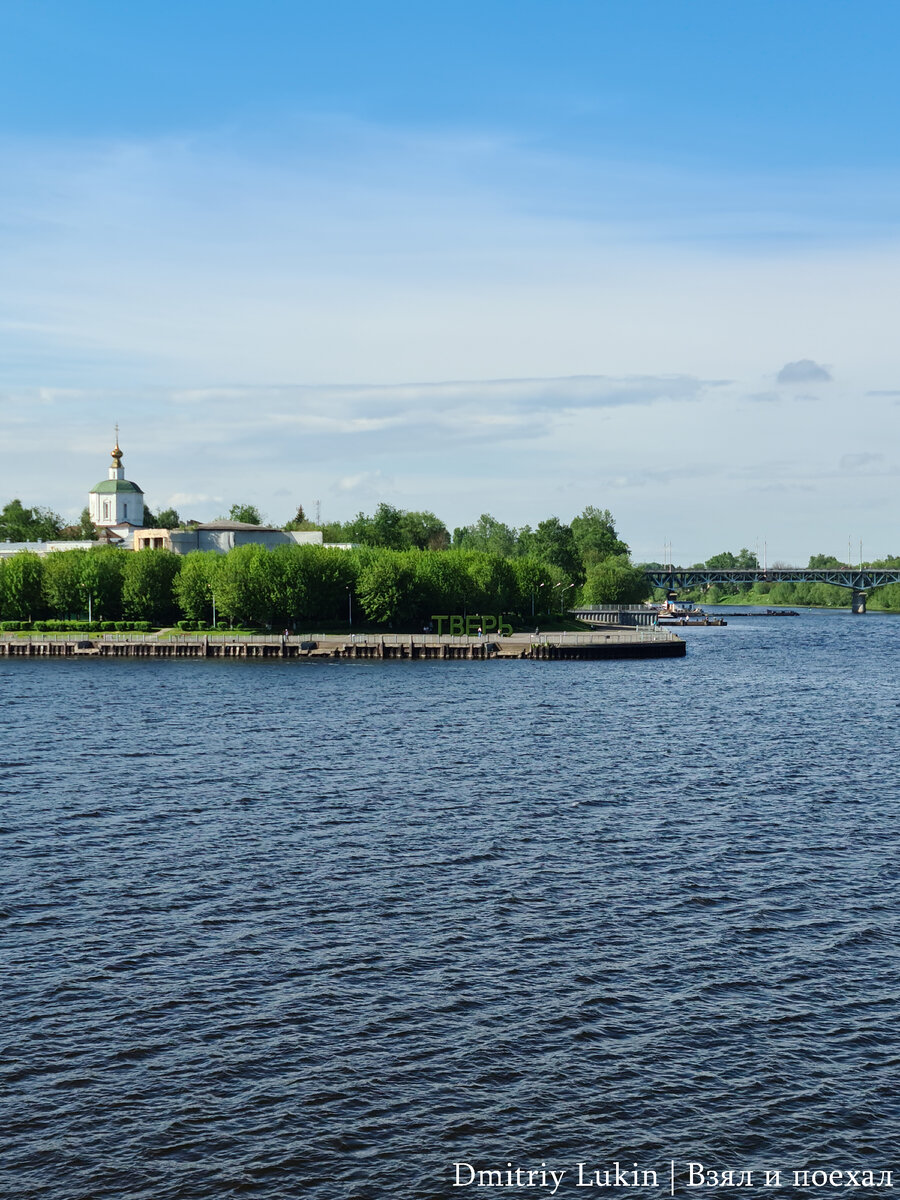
[858,580]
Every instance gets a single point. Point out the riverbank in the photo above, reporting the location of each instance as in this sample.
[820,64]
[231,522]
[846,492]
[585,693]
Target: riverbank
[615,644]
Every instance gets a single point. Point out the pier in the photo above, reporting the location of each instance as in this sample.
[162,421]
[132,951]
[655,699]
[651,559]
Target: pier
[615,644]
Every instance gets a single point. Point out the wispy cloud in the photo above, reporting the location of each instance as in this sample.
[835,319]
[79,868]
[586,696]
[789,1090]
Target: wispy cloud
[358,254]
[859,462]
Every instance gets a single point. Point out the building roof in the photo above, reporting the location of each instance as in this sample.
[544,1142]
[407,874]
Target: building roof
[106,486]
[237,527]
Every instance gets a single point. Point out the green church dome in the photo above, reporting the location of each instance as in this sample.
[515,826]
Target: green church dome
[106,486]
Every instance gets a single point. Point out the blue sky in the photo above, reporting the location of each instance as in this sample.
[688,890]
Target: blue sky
[515,258]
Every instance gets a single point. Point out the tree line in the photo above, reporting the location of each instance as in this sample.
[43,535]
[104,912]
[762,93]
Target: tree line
[590,538]
[254,587]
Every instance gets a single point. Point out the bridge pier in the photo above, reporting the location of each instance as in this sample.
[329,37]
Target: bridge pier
[858,603]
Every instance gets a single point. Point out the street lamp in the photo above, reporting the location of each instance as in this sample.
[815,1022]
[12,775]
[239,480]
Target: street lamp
[563,587]
[349,608]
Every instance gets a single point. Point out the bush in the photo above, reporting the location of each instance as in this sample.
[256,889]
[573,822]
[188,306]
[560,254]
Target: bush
[107,626]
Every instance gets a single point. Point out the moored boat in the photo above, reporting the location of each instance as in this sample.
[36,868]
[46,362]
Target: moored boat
[673,613]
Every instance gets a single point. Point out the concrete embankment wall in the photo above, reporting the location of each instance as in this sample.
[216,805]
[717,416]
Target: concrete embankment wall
[613,645]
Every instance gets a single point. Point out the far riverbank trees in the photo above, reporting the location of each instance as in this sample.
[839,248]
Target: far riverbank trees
[490,568]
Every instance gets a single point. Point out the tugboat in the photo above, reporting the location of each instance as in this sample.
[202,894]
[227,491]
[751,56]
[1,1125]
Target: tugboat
[673,613]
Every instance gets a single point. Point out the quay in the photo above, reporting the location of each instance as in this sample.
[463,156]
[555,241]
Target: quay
[615,644]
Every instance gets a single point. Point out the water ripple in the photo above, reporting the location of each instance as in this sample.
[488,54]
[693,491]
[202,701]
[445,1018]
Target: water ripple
[286,930]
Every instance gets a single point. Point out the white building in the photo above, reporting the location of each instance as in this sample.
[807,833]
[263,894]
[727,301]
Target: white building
[223,536]
[8,549]
[116,504]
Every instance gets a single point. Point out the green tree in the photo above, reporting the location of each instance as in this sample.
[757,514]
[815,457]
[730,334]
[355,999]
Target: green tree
[442,583]
[195,584]
[359,531]
[492,583]
[385,586]
[487,533]
[86,526]
[20,524]
[615,581]
[101,581]
[595,536]
[62,582]
[555,544]
[300,521]
[23,576]
[83,531]
[243,593]
[331,577]
[825,562]
[248,513]
[423,531]
[147,583]
[533,586]
[387,528]
[744,560]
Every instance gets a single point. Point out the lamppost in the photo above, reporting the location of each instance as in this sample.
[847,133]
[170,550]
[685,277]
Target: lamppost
[563,588]
[213,594]
[540,585]
[349,608]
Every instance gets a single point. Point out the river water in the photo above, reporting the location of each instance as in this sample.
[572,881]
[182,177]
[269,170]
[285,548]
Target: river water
[324,930]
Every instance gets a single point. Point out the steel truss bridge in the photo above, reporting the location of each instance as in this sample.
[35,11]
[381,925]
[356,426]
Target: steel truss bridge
[858,580]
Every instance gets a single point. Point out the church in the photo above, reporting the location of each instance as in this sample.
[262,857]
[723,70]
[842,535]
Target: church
[116,508]
[116,504]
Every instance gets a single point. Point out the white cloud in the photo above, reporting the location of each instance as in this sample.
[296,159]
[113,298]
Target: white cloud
[804,371]
[246,319]
[365,485]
